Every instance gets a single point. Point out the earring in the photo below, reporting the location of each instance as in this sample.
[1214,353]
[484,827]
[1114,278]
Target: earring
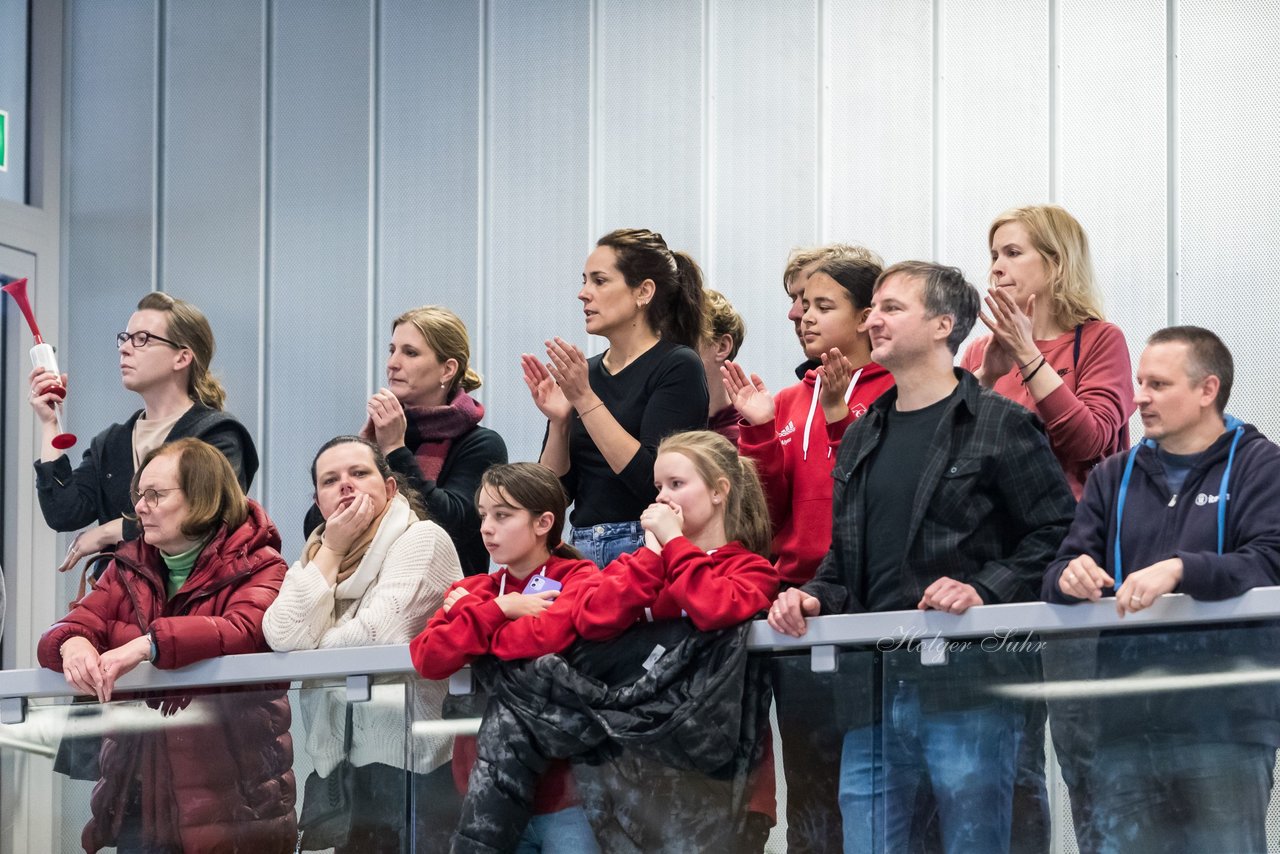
[442,384]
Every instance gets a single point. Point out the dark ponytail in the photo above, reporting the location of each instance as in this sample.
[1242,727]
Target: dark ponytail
[683,315]
[677,308]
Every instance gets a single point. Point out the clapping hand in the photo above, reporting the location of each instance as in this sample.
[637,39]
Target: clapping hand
[386,414]
[547,395]
[749,396]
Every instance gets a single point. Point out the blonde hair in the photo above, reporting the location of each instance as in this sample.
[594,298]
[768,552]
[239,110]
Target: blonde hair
[189,328]
[803,256]
[1058,237]
[746,516]
[723,319]
[214,497]
[446,335]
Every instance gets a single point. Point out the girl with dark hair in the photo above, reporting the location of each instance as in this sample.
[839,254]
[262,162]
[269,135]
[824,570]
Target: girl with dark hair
[427,424]
[793,438]
[700,570]
[523,610]
[607,414]
[370,575]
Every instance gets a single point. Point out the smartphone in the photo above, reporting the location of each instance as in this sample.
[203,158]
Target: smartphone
[541,584]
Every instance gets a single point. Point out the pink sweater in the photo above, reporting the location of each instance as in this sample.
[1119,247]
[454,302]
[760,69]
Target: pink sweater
[1087,417]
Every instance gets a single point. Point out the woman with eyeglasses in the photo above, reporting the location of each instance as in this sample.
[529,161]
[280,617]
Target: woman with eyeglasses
[164,358]
[206,772]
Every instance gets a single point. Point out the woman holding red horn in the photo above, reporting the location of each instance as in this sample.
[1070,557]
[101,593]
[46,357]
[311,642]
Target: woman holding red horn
[164,358]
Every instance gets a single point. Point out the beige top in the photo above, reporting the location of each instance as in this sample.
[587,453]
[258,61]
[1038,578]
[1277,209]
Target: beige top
[150,434]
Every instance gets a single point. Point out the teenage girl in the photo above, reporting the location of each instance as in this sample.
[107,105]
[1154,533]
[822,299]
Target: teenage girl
[523,610]
[704,541]
[702,559]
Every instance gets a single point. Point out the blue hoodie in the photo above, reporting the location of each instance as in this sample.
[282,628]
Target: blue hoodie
[1228,545]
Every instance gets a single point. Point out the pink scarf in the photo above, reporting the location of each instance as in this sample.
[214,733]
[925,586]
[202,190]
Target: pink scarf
[432,429]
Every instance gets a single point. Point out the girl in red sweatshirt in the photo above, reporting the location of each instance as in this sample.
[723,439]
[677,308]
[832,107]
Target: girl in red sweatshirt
[704,540]
[523,610]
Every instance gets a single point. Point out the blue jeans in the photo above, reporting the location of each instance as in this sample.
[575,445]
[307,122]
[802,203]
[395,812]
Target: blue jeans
[1173,794]
[966,757]
[563,832]
[601,544]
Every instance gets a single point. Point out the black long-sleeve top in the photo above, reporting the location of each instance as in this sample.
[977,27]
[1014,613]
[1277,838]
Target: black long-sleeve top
[663,391]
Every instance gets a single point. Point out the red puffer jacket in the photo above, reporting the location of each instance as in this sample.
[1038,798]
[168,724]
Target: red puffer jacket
[217,777]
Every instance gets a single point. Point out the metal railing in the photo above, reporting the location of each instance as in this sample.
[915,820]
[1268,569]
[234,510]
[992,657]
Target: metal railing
[824,636]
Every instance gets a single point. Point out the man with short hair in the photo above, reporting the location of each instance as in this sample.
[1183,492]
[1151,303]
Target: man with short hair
[1194,508]
[946,496]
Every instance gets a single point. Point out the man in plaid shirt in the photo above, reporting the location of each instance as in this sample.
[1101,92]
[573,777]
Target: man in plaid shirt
[946,496]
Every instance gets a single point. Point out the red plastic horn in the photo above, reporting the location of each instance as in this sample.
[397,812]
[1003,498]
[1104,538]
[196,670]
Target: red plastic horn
[42,355]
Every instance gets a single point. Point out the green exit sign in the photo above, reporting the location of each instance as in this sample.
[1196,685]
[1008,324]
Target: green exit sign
[4,141]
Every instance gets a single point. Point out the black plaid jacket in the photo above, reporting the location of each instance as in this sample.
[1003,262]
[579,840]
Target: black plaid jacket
[991,508]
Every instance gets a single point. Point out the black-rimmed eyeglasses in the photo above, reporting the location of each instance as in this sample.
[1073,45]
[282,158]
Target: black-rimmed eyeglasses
[151,496]
[142,338]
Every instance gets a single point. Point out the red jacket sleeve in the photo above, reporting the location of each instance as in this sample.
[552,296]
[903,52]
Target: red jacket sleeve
[760,443]
[552,630]
[189,638]
[453,638]
[617,595]
[722,589]
[89,619]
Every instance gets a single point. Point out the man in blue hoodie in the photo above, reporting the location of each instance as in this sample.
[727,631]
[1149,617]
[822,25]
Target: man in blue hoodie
[1194,508]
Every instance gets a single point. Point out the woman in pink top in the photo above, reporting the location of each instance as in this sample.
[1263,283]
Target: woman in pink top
[1051,351]
[1049,348]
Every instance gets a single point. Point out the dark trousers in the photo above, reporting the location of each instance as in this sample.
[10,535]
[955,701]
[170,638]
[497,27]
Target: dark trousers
[812,739]
[1157,796]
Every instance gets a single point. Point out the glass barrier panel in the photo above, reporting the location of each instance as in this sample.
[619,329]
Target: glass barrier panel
[594,751]
[251,767]
[1165,739]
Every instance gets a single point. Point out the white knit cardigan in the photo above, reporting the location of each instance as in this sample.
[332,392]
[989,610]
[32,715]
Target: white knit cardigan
[398,585]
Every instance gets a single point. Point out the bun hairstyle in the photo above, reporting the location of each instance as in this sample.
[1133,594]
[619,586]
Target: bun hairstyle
[446,335]
[676,310]
[188,326]
[723,319]
[746,516]
[537,489]
[416,504]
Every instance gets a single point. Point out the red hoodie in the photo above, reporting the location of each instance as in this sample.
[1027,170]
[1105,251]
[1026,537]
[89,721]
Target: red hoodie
[715,590]
[475,626]
[797,482]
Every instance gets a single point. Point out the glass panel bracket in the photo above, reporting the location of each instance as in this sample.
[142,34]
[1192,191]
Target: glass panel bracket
[359,688]
[13,710]
[822,658]
[933,652]
[460,682]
